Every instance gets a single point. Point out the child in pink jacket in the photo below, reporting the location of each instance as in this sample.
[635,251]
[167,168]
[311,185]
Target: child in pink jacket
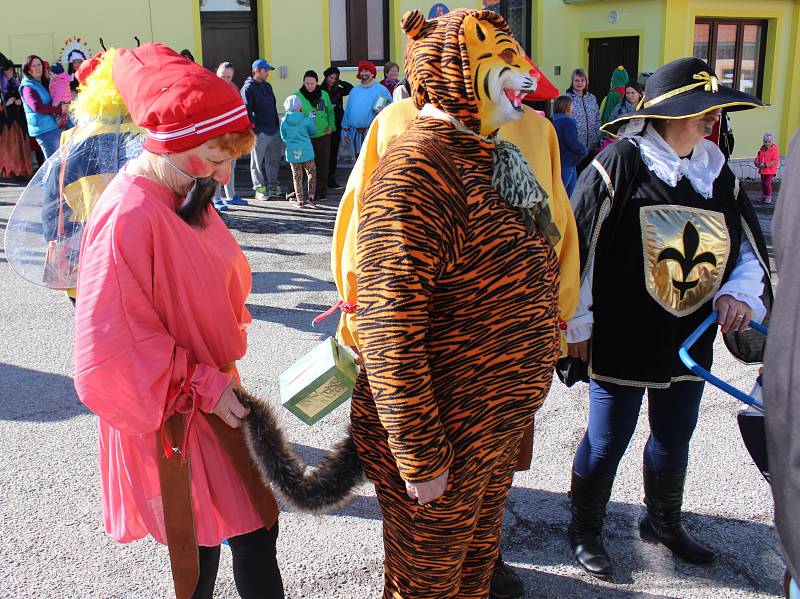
[60,91]
[767,161]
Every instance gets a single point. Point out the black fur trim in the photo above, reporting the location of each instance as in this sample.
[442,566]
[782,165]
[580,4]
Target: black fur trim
[316,490]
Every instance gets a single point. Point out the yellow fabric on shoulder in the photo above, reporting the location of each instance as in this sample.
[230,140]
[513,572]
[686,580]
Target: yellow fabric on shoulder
[528,134]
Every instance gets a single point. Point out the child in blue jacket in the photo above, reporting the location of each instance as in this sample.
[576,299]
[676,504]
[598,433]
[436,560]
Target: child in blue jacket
[296,132]
[572,150]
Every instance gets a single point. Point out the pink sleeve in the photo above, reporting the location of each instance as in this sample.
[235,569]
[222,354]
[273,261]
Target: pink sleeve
[128,369]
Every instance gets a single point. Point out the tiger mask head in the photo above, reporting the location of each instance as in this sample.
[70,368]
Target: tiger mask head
[468,64]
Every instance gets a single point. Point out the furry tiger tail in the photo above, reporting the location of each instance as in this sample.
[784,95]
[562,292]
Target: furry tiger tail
[315,490]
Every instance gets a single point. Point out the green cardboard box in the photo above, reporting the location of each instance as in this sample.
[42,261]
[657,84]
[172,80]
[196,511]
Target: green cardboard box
[319,382]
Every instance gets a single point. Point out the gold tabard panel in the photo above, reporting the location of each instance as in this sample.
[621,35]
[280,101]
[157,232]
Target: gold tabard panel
[686,251]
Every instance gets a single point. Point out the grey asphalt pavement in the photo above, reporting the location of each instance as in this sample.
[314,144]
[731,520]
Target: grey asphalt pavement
[52,543]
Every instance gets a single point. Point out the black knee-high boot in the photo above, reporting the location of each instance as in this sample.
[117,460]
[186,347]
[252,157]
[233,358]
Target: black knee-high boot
[588,506]
[663,495]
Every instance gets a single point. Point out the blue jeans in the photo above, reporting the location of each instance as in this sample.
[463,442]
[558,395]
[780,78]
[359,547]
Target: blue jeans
[569,175]
[613,413]
[49,142]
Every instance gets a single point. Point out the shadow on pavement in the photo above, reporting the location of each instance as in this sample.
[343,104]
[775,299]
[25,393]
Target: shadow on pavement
[297,318]
[547,585]
[306,222]
[279,282]
[534,533]
[34,396]
[269,250]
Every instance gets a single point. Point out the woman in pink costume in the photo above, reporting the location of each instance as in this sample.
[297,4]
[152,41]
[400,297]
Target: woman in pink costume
[160,323]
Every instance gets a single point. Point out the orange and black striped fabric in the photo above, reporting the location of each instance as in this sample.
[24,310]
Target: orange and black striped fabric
[458,325]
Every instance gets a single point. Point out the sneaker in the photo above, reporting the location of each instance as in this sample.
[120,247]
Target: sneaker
[236,200]
[333,184]
[321,197]
[300,203]
[291,195]
[274,191]
[506,584]
[219,205]
[261,193]
[767,200]
[312,203]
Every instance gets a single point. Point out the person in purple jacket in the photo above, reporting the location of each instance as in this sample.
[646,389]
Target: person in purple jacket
[572,150]
[39,113]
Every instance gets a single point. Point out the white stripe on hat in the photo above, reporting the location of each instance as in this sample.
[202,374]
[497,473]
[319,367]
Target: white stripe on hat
[197,129]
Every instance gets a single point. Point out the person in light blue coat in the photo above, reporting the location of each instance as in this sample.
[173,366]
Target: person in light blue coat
[296,131]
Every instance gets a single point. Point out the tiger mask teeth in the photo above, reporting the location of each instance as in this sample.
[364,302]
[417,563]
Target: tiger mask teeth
[515,97]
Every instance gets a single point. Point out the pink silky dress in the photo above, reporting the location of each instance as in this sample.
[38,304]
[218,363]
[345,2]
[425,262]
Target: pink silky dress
[160,310]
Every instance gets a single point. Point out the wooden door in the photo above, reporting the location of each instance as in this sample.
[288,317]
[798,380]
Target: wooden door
[605,55]
[230,37]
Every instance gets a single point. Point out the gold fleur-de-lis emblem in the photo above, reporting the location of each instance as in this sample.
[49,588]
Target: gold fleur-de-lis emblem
[688,258]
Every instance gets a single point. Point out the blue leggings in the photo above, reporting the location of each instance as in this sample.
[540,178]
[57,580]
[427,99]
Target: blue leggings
[613,412]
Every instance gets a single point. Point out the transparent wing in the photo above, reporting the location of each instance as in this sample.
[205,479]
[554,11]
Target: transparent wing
[43,235]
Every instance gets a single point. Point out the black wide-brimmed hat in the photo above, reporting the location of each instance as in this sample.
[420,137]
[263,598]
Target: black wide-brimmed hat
[683,88]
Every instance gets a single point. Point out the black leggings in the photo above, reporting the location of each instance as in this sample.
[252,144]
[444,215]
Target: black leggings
[255,566]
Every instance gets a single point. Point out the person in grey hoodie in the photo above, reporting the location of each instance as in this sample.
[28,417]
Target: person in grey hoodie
[265,158]
[586,113]
[782,368]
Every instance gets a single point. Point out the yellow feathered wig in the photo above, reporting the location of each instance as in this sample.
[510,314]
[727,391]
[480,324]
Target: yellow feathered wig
[98,97]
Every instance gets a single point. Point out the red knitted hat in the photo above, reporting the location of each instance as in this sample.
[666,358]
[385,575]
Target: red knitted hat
[366,65]
[179,103]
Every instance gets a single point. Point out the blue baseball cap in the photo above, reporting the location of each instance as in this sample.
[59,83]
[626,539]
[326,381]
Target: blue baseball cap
[262,64]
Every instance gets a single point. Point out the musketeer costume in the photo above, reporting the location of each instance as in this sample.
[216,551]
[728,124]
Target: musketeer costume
[662,238]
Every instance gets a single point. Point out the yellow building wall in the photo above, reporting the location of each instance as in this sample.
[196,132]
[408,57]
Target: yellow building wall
[562,33]
[781,68]
[41,27]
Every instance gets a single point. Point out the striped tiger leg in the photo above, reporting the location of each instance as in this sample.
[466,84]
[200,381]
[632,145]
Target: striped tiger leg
[445,549]
[476,573]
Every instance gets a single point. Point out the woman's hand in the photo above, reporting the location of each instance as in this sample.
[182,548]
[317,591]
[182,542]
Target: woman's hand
[229,408]
[733,314]
[579,350]
[428,491]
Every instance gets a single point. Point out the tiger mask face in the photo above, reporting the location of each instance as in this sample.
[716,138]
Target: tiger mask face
[468,64]
[502,75]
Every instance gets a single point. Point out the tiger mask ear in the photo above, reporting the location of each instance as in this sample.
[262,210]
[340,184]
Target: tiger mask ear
[413,23]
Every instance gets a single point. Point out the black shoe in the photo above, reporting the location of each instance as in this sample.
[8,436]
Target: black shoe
[588,507]
[321,196]
[334,185]
[506,584]
[663,495]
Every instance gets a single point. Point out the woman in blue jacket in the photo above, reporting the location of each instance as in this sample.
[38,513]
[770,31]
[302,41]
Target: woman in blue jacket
[39,113]
[572,150]
[297,130]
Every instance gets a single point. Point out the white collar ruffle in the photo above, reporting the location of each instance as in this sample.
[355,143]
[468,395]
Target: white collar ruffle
[702,168]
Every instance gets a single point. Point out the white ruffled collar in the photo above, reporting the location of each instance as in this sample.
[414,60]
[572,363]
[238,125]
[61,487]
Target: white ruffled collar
[702,168]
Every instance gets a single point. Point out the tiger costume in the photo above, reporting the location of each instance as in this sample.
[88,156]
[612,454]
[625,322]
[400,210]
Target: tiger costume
[457,311]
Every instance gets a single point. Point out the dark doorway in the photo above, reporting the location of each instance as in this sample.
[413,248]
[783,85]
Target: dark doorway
[230,36]
[605,55]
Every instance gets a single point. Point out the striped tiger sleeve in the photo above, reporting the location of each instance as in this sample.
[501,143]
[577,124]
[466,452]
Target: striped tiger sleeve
[412,222]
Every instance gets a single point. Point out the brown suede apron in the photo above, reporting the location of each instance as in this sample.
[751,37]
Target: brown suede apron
[174,473]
